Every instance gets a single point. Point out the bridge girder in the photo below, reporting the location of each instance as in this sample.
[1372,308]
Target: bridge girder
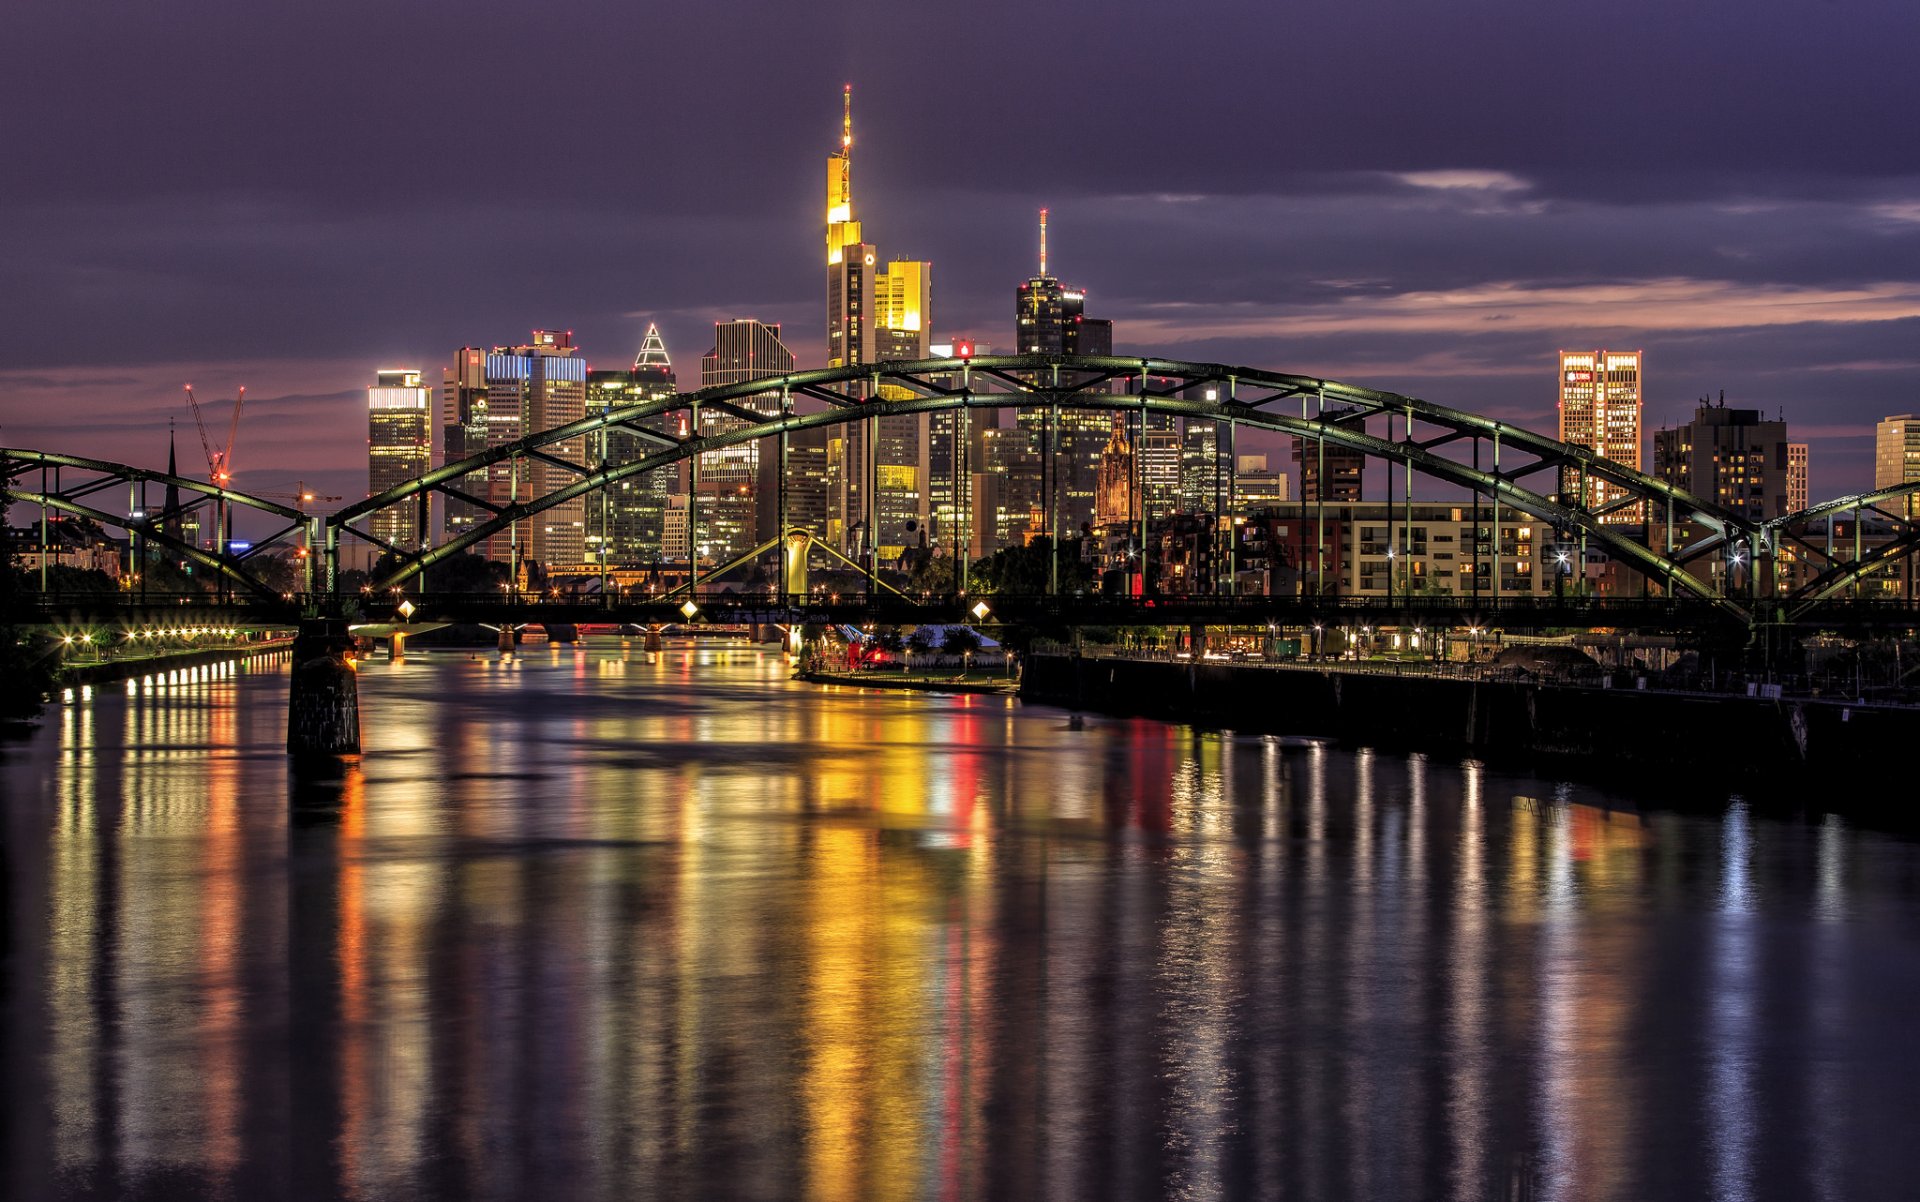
[1072,393]
[100,474]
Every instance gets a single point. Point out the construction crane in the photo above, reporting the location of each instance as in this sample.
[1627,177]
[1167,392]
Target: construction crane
[219,463]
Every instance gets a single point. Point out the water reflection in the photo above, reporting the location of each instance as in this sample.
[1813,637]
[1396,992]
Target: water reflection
[599,924]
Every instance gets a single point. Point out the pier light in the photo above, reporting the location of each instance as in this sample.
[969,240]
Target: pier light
[979,611]
[688,609]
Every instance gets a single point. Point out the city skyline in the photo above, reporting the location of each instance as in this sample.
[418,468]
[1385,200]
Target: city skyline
[1743,250]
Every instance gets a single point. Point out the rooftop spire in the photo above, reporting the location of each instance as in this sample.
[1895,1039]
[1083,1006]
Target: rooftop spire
[653,352]
[846,118]
[1043,243]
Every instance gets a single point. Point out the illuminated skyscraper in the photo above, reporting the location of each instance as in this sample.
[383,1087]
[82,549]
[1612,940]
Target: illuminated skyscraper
[1896,451]
[1050,319]
[532,388]
[875,313]
[463,432]
[1797,477]
[1896,461]
[625,523]
[399,449]
[1600,396]
[727,512]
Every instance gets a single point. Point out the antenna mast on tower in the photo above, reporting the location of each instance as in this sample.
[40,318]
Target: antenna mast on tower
[1043,242]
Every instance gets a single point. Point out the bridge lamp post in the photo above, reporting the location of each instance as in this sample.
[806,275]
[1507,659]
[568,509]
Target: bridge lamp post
[1560,577]
[1391,556]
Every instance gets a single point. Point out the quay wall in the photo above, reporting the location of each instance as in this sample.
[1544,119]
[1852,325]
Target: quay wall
[113,671]
[1606,729]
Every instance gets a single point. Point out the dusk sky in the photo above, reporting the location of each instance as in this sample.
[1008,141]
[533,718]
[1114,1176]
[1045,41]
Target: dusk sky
[1431,198]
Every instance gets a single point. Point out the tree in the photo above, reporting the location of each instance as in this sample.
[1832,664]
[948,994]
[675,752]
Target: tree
[1027,570]
[921,640]
[960,640]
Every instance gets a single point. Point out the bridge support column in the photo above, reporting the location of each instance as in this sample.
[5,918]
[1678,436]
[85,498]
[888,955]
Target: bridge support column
[506,642]
[323,703]
[653,642]
[397,647]
[1197,641]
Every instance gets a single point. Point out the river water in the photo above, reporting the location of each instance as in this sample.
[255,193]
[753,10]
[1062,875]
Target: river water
[583,924]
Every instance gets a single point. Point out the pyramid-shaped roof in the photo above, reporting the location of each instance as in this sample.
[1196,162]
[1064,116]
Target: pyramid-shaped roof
[653,352]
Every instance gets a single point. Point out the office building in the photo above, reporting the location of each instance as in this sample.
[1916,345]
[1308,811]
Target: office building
[463,433]
[725,490]
[1732,457]
[1599,404]
[1050,319]
[1797,496]
[875,312]
[1896,461]
[1256,485]
[399,449]
[530,388]
[1896,451]
[626,522]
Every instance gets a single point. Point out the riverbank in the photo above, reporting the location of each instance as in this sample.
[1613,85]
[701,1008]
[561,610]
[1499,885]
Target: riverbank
[132,668]
[1783,743]
[1003,686]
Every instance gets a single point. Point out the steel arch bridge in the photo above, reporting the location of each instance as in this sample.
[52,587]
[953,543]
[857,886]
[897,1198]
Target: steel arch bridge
[1496,462]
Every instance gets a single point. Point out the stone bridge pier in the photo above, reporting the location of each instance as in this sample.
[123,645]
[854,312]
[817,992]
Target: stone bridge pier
[323,702]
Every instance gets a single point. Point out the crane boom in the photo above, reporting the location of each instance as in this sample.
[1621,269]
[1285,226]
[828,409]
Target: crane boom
[220,462]
[206,444]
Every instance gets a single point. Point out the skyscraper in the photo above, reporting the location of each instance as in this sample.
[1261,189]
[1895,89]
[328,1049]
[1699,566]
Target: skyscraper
[1896,461]
[1050,319]
[626,522]
[1797,477]
[532,388]
[399,448]
[874,313]
[1896,451]
[463,432]
[727,512]
[1600,397]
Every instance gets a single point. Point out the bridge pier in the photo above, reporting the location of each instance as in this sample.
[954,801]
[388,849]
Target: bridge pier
[323,702]
[506,641]
[653,642]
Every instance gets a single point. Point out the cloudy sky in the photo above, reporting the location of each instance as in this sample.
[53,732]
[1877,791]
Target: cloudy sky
[1425,197]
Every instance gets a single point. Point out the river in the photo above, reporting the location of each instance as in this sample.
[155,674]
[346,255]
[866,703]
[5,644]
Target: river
[593,924]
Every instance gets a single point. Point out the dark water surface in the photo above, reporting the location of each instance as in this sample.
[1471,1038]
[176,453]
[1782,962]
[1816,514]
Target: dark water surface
[584,926]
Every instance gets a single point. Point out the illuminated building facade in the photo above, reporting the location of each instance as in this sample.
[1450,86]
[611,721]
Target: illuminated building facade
[399,449]
[1732,457]
[1896,460]
[529,388]
[1797,477]
[1599,404]
[727,516]
[1114,506]
[626,523]
[875,312]
[1050,319]
[1255,485]
[1896,451]
[463,432]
